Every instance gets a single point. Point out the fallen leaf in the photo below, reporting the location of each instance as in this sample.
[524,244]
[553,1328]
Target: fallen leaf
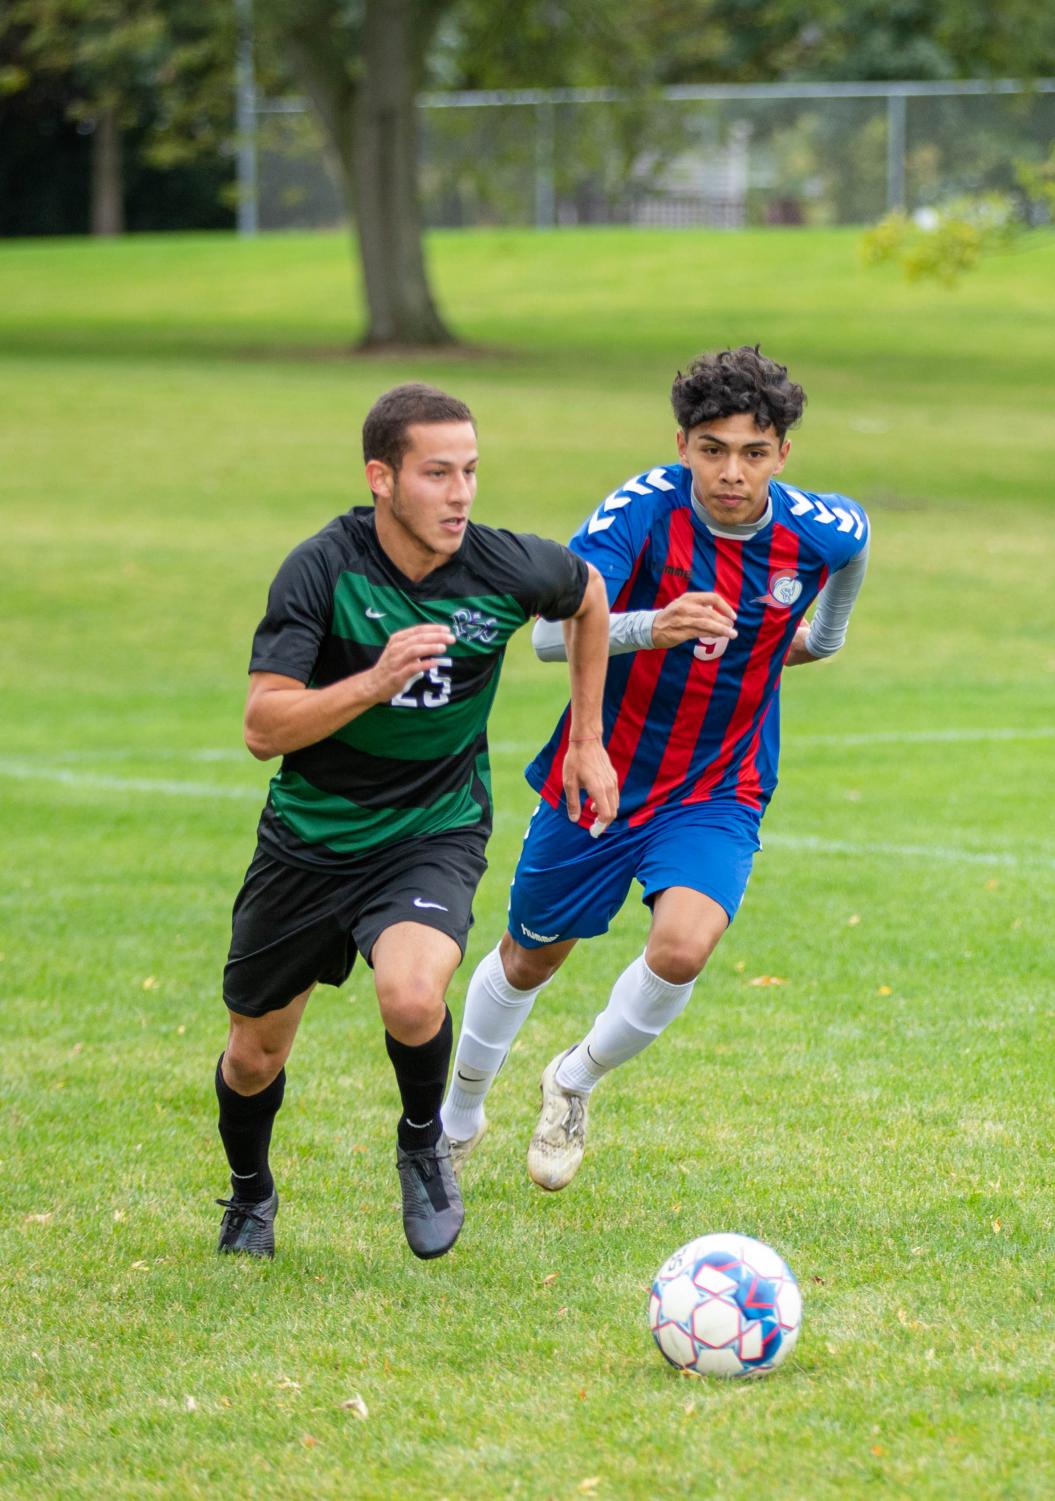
[561,1312]
[767,980]
[551,1278]
[902,1317]
[180,1031]
[582,1394]
[119,1215]
[190,1404]
[853,920]
[151,982]
[740,966]
[885,990]
[356,1406]
[309,1441]
[141,1266]
[225,1402]
[690,1407]
[878,1450]
[286,1385]
[589,1484]
[996,1227]
[992,884]
[39,1219]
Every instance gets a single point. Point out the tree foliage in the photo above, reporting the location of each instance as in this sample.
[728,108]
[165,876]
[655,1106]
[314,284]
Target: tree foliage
[656,42]
[160,68]
[942,244]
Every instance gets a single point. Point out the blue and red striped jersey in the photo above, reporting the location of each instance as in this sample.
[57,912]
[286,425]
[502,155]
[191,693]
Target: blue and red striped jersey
[701,720]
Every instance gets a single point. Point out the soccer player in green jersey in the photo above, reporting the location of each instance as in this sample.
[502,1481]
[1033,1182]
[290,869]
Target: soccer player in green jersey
[372,675]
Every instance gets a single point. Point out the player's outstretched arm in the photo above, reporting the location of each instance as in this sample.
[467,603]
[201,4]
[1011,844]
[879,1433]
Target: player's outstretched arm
[283,715]
[586,763]
[689,616]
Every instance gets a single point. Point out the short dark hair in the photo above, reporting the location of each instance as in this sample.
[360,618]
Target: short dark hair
[737,380]
[385,429]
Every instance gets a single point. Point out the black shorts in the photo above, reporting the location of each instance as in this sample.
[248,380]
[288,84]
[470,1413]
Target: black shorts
[293,927]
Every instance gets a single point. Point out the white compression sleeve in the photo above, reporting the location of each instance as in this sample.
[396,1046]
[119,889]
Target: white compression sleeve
[631,631]
[494,1014]
[640,1006]
[827,630]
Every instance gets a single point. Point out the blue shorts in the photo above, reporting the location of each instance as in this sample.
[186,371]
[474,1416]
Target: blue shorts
[569,885]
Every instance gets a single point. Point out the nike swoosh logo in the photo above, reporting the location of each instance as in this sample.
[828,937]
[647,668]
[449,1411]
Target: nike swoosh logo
[375,614]
[438,905]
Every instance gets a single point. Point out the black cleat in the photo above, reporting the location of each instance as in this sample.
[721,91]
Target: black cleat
[248,1227]
[432,1203]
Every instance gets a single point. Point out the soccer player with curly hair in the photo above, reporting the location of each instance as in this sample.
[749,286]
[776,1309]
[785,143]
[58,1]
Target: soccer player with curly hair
[711,565]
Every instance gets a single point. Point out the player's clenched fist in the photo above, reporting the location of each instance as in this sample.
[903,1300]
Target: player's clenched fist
[693,614]
[407,653]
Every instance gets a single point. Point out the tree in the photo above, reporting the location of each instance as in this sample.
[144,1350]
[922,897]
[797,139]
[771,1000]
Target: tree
[362,66]
[124,62]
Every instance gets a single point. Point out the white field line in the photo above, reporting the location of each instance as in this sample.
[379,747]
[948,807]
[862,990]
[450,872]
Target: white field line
[812,843]
[63,776]
[237,754]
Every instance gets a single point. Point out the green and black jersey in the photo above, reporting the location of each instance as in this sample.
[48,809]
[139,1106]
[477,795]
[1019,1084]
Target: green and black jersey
[417,765]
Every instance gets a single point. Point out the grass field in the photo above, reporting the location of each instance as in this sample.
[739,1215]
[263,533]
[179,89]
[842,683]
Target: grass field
[176,414]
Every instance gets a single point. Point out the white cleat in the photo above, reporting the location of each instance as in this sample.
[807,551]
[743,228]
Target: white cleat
[461,1151]
[559,1141]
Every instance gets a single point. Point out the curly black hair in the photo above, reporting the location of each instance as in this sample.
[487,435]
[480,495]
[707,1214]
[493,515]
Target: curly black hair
[737,380]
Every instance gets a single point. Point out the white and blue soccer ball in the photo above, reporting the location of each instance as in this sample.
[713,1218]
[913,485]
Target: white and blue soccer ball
[725,1305]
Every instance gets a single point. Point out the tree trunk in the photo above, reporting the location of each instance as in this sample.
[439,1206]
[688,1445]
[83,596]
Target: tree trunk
[384,160]
[108,210]
[372,127]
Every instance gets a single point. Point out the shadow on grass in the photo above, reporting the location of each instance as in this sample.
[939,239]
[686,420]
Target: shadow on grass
[120,343]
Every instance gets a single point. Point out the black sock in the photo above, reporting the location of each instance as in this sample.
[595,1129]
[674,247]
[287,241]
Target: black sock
[245,1130]
[421,1073]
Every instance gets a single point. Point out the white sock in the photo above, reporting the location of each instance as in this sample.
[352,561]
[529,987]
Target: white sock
[494,1013]
[640,1006]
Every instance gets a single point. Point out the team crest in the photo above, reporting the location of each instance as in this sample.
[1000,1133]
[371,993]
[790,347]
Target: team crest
[785,586]
[473,625]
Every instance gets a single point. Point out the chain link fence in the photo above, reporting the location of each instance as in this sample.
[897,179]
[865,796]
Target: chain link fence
[726,156]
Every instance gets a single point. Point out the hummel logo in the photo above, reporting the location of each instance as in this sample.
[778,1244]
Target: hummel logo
[678,573]
[374,614]
[438,905]
[538,937]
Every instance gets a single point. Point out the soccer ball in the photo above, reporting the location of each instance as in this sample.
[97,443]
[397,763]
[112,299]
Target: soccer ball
[725,1305]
